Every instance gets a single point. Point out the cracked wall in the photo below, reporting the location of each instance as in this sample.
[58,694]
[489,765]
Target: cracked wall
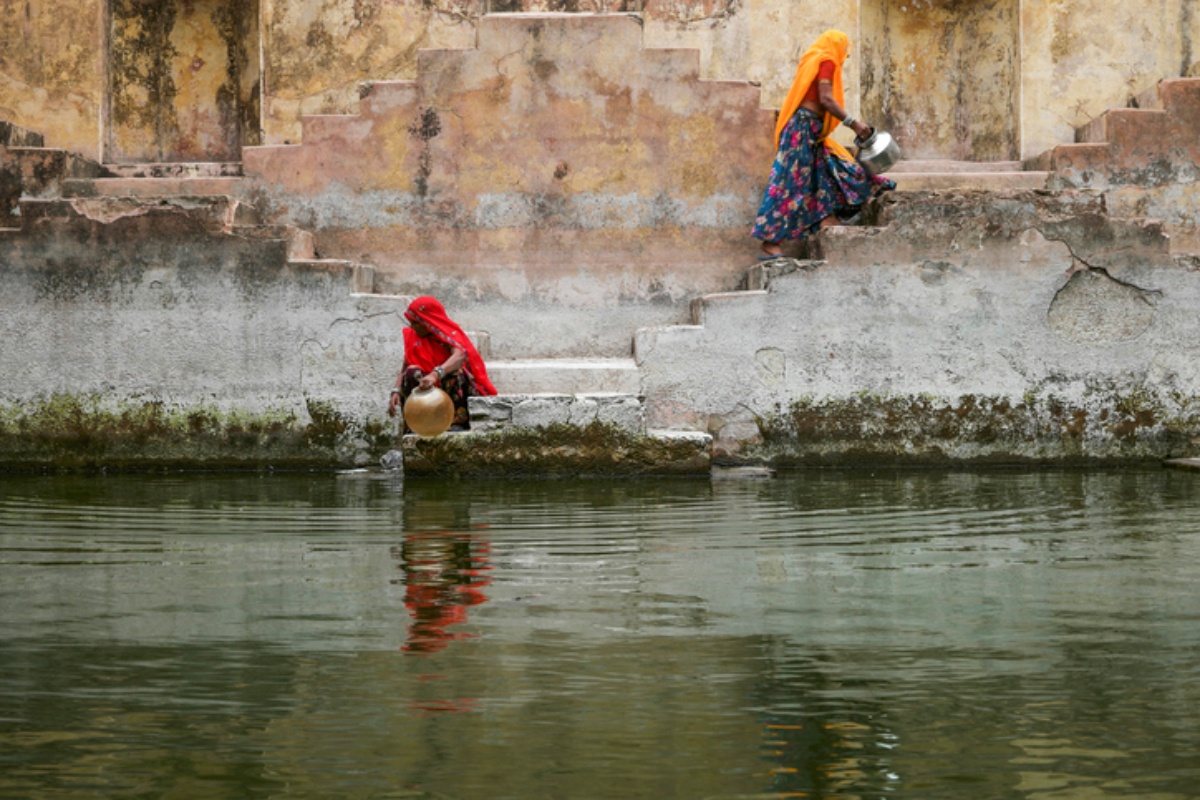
[1012,328]
[160,334]
[561,171]
[1092,308]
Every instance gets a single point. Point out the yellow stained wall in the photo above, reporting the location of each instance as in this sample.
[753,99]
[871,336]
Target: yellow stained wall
[184,80]
[52,70]
[318,52]
[943,76]
[1070,59]
[1082,57]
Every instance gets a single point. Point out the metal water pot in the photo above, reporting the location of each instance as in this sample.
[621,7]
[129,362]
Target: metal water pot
[878,152]
[428,412]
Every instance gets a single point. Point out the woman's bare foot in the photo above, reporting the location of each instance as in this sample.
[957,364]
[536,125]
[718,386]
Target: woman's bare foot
[830,221]
[772,249]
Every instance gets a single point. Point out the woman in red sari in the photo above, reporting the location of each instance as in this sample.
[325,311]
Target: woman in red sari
[438,353]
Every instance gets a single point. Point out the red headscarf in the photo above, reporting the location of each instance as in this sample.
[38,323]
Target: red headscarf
[427,352]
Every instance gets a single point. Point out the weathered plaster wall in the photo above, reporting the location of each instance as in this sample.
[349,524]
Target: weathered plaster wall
[1145,160]
[944,78]
[184,80]
[1076,58]
[52,70]
[157,335]
[560,174]
[317,53]
[1082,57]
[973,328]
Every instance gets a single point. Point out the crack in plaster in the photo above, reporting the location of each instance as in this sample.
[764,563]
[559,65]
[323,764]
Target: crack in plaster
[1077,259]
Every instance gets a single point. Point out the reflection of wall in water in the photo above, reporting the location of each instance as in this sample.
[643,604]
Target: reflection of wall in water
[943,76]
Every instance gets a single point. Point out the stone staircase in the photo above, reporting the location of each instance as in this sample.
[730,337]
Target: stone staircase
[1145,159]
[1137,157]
[534,392]
[29,169]
[991,176]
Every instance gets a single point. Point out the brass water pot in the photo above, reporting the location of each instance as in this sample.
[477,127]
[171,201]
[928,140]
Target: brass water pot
[428,412]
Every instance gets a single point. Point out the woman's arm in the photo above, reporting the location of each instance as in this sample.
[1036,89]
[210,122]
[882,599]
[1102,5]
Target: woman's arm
[832,106]
[394,397]
[447,367]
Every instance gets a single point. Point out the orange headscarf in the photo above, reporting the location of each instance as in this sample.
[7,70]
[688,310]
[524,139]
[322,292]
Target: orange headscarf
[830,46]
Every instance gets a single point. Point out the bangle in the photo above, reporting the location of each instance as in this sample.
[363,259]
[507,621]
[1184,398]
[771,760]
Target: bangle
[441,373]
[395,391]
[848,120]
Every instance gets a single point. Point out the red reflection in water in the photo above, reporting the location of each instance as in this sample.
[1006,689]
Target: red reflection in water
[444,574]
[459,706]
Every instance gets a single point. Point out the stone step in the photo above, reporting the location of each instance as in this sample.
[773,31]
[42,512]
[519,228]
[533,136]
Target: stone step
[1172,94]
[565,376]
[155,187]
[53,163]
[1147,98]
[218,213]
[967,181]
[301,246]
[38,173]
[539,410]
[940,166]
[191,169]
[1180,96]
[15,136]
[561,449]
[742,302]
[1124,125]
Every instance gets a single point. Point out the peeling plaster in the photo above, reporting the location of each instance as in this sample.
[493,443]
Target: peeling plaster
[1094,308]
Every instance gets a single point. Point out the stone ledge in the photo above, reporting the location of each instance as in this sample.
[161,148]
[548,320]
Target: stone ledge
[567,376]
[559,450]
[533,411]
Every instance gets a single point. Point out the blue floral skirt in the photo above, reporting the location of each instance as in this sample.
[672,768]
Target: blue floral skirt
[808,184]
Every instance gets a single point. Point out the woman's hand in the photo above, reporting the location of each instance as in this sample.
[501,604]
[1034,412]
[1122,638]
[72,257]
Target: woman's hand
[393,402]
[861,129]
[428,381]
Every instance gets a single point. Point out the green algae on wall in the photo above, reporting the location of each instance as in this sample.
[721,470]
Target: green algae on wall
[89,432]
[183,79]
[559,450]
[1100,423]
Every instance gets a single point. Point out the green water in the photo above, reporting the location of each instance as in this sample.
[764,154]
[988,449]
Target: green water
[823,634]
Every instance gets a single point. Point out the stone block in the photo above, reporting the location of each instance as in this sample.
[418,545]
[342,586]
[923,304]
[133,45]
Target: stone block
[535,411]
[563,451]
[491,413]
[541,411]
[1181,96]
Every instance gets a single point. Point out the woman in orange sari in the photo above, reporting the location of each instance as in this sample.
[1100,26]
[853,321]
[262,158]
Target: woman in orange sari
[815,181]
[438,353]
